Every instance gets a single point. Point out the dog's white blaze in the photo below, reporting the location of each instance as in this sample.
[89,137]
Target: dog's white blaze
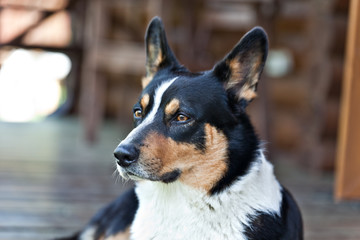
[177,211]
[159,92]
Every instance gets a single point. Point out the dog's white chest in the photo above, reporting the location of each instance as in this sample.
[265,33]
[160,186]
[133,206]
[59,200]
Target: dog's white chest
[176,211]
[183,217]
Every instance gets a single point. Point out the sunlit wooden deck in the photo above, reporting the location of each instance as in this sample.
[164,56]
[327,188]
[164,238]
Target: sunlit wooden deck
[51,183]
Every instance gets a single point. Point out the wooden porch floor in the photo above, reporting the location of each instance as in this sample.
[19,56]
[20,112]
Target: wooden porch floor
[51,183]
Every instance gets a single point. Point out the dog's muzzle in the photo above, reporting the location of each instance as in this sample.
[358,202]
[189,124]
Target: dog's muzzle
[126,155]
[129,166]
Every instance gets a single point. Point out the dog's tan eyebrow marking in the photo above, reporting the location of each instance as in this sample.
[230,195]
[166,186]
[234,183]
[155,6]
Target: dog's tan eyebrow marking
[144,102]
[172,107]
[145,81]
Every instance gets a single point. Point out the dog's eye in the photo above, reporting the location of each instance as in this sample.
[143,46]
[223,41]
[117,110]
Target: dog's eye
[137,113]
[182,118]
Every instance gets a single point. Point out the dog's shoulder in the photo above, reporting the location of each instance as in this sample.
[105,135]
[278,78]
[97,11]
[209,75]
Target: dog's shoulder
[288,225]
[292,216]
[114,220]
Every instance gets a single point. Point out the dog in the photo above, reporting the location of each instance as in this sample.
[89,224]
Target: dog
[199,168]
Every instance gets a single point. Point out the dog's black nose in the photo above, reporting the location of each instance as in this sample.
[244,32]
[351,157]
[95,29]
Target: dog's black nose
[126,155]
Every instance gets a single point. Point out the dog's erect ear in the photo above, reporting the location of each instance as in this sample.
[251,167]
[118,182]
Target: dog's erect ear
[240,70]
[158,52]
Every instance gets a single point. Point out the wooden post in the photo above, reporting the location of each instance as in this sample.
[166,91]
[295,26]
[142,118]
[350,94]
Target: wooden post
[92,85]
[348,156]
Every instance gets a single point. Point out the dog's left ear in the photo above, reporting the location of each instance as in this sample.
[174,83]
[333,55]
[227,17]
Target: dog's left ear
[158,52]
[240,70]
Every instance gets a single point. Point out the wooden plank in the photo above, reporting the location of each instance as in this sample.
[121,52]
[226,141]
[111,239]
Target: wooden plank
[51,182]
[348,158]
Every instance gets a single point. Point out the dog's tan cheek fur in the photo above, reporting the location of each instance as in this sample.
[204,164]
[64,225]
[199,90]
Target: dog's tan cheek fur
[199,169]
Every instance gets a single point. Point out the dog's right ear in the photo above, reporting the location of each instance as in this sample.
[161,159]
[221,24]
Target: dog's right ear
[240,70]
[158,52]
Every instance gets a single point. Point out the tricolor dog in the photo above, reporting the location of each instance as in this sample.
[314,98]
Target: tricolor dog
[198,166]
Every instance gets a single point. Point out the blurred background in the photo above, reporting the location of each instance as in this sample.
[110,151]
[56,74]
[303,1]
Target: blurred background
[70,73]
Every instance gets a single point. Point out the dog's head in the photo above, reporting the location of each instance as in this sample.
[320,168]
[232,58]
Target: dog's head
[192,127]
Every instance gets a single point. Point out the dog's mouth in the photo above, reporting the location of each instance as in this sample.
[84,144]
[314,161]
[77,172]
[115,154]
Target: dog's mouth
[170,177]
[127,174]
[136,175]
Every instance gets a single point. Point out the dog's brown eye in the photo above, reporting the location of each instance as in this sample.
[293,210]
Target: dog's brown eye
[138,113]
[181,118]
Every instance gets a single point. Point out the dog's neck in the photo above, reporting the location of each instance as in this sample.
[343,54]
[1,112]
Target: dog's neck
[257,191]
